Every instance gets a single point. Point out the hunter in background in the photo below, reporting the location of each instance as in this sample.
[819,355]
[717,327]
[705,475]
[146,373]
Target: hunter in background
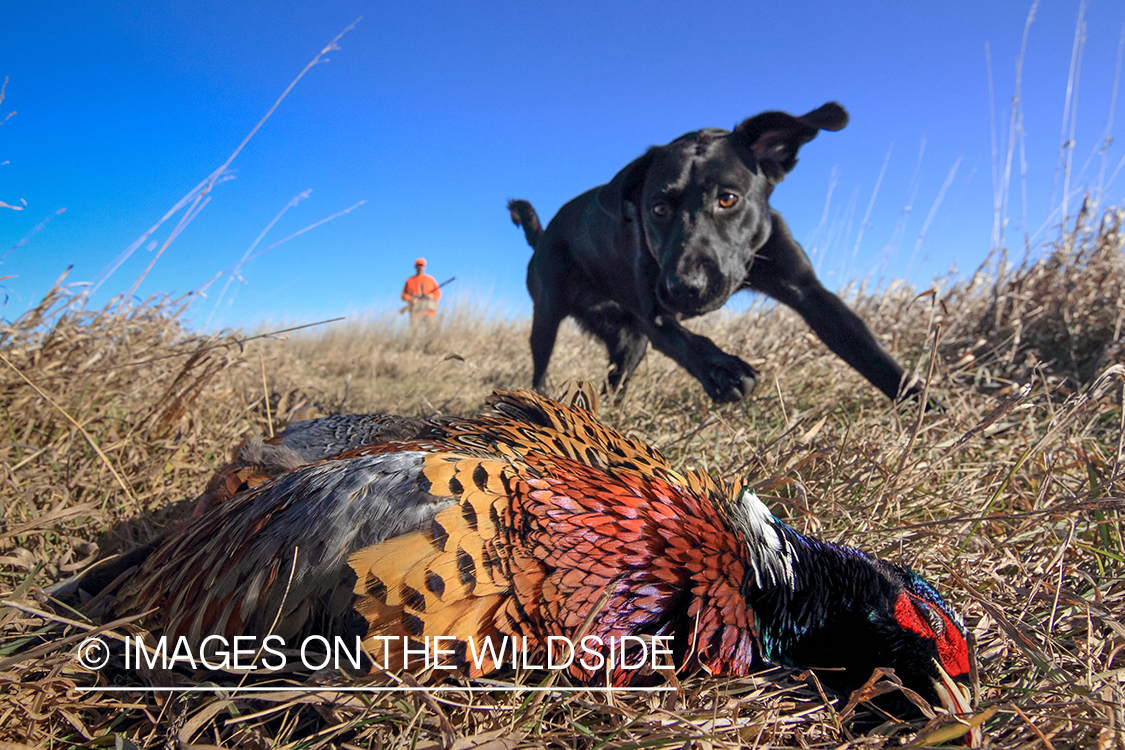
[421,294]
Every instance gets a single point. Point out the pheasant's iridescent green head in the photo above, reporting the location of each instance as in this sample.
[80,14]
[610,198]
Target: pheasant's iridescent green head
[825,605]
[931,642]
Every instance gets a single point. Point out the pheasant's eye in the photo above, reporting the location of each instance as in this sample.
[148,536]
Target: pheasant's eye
[937,622]
[727,200]
[933,617]
[660,210]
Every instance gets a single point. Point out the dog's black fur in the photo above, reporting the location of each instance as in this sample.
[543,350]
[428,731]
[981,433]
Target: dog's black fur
[674,235]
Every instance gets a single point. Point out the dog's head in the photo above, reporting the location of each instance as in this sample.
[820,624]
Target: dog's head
[703,202]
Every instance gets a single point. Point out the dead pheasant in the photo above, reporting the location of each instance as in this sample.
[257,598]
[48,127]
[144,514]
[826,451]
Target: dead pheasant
[535,520]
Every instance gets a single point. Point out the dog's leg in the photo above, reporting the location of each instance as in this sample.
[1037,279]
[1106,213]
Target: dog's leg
[782,270]
[549,276]
[724,376]
[620,333]
[544,329]
[624,357]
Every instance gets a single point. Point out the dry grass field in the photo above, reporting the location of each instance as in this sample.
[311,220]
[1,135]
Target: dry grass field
[1010,499]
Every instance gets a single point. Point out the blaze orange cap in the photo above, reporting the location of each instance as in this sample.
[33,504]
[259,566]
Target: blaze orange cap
[420,262]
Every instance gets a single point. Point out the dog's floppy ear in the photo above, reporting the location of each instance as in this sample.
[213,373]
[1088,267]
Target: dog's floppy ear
[625,187]
[775,137]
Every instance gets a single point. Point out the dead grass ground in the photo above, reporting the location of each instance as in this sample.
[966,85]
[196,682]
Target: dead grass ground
[1011,498]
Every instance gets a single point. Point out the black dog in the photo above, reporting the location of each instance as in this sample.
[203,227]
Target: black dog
[674,235]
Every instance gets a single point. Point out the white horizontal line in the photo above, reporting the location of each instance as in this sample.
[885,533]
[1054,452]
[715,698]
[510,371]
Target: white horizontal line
[387,689]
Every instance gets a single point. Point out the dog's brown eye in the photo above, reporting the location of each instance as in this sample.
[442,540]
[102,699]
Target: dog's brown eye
[727,200]
[660,210]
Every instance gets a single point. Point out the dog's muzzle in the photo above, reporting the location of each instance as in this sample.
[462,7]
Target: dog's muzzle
[698,289]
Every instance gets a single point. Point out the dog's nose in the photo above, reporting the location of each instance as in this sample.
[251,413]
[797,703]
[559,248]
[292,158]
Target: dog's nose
[692,289]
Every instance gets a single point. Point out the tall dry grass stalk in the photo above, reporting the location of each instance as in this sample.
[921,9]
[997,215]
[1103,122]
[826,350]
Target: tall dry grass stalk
[200,195]
[1010,498]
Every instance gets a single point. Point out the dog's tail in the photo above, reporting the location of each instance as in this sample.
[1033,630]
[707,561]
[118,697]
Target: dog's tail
[524,215]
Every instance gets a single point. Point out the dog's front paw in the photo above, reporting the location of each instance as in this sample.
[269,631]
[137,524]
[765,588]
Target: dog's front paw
[730,380]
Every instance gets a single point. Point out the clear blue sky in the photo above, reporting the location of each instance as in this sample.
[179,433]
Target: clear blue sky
[436,113]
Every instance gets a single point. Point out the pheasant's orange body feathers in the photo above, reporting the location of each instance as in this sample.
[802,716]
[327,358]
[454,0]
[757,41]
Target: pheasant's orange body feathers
[539,541]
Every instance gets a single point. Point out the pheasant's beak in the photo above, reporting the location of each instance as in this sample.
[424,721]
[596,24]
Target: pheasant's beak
[957,700]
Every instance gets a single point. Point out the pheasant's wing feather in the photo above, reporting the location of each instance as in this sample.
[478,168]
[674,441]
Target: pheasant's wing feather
[328,436]
[580,394]
[524,422]
[446,581]
[280,551]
